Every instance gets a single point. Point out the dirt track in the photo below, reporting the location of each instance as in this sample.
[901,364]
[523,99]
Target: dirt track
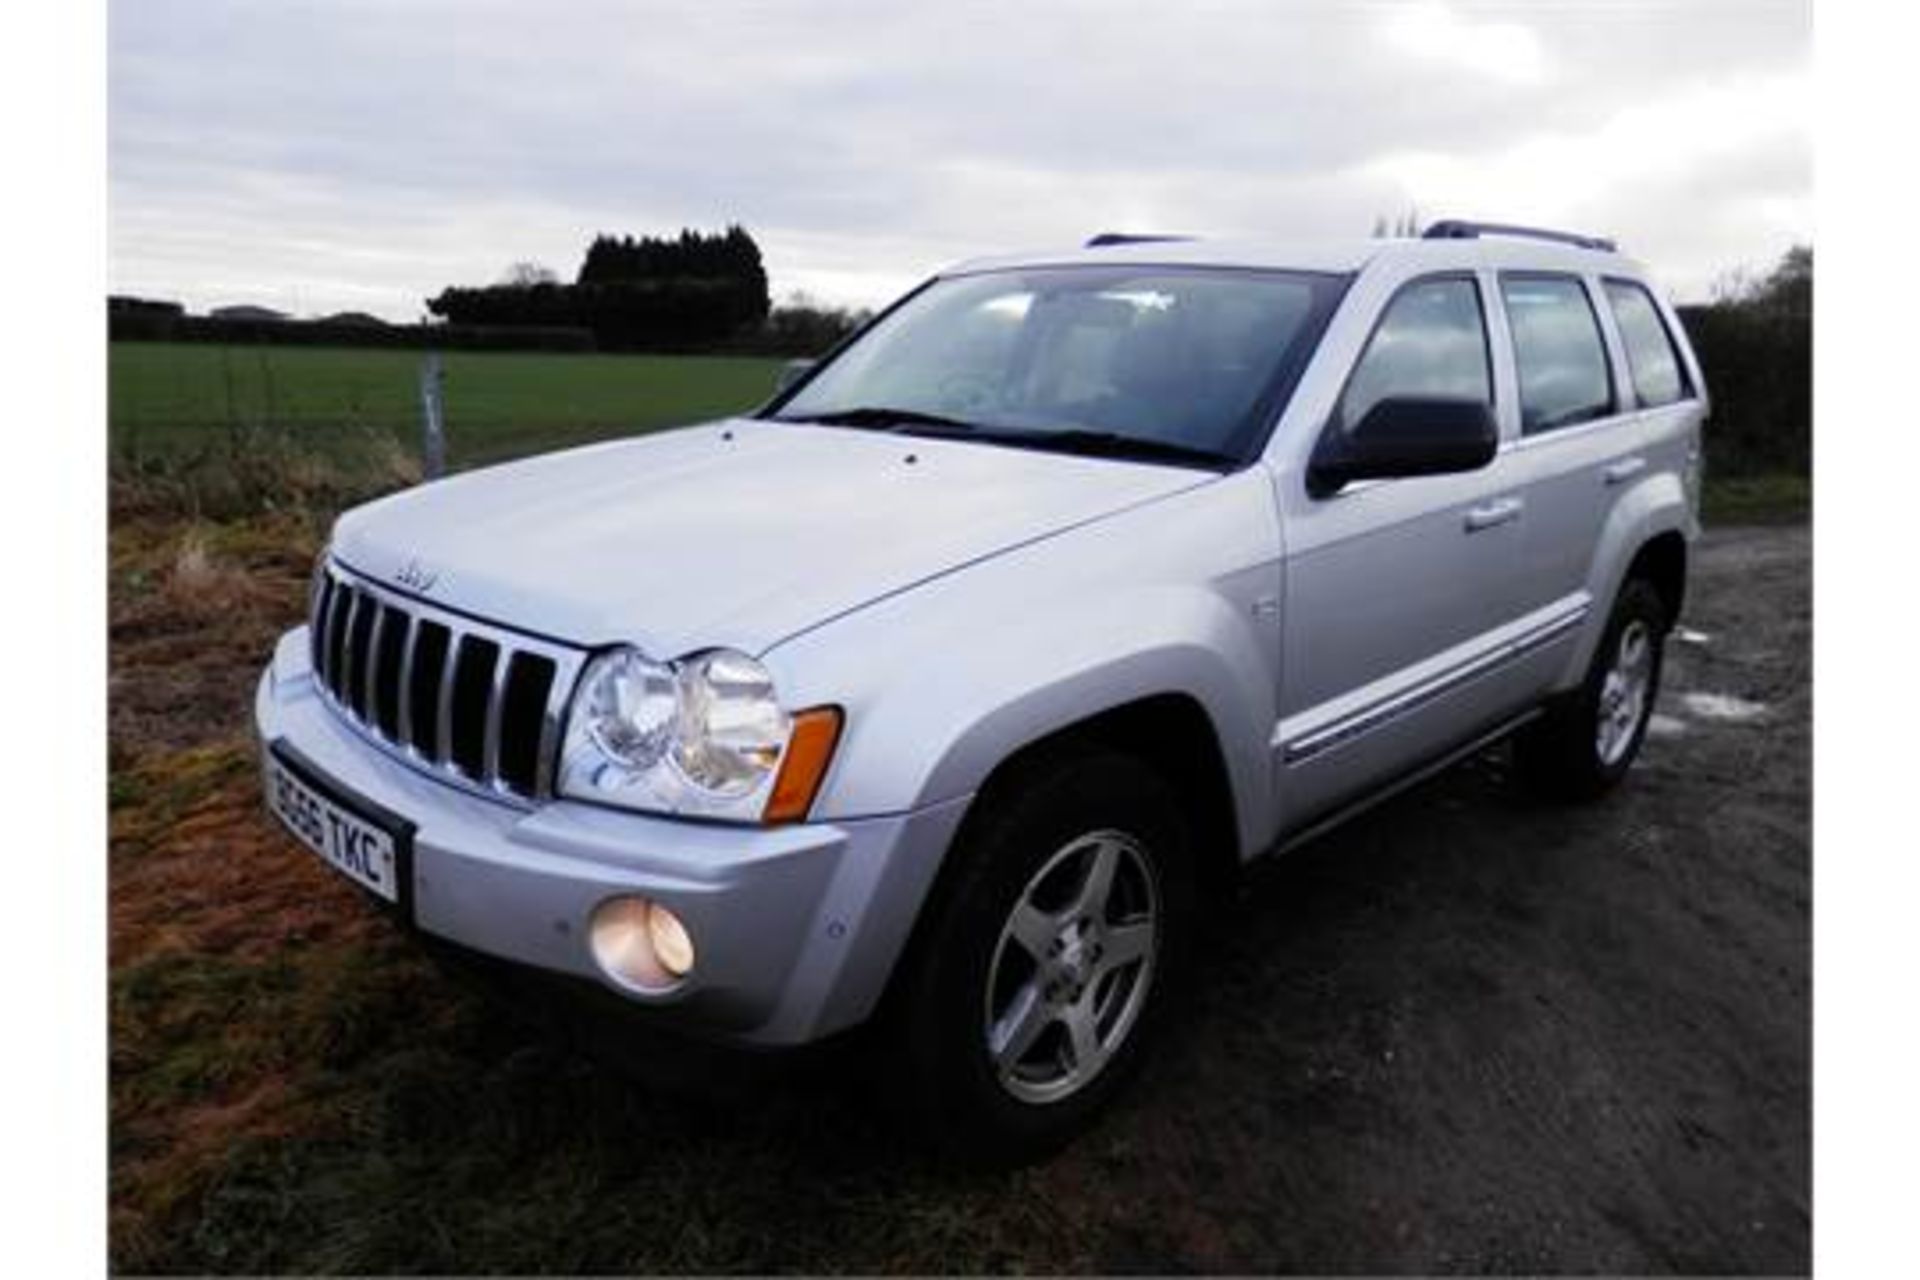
[1470,1034]
[1463,1034]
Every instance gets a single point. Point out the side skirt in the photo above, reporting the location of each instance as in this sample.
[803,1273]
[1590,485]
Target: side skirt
[1380,795]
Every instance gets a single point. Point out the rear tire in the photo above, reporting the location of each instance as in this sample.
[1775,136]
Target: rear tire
[1041,977]
[1589,737]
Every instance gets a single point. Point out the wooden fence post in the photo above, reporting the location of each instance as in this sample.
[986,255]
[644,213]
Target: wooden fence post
[433,430]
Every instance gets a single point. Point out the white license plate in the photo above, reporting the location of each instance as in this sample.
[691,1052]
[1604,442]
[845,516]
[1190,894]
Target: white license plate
[363,851]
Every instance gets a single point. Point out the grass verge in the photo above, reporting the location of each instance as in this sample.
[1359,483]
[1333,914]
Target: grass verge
[1768,499]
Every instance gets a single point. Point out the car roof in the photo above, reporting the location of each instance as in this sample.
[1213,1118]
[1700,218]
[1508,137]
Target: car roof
[1514,253]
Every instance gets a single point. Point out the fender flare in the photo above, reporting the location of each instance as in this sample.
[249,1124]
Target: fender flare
[1656,506]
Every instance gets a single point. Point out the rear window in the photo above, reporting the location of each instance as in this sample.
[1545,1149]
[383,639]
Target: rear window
[1558,352]
[1652,358]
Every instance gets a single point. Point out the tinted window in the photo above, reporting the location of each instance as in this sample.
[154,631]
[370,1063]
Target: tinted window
[1651,356]
[1431,343]
[1557,351]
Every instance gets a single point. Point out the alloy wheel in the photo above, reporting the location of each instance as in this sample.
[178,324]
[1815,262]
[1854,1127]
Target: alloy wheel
[1072,967]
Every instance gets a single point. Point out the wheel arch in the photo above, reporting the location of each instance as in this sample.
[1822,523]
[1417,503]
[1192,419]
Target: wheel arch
[1170,732]
[1662,561]
[1645,534]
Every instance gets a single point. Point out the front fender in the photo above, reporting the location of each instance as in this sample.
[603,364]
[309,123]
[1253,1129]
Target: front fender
[942,683]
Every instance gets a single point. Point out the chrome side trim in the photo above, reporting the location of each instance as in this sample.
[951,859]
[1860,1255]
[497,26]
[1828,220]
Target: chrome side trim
[1308,740]
[1414,777]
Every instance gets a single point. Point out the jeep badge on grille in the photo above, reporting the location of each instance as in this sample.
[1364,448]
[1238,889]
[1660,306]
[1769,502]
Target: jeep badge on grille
[416,576]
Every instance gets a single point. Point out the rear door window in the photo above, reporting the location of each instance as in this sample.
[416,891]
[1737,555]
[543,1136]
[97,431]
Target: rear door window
[1558,352]
[1653,360]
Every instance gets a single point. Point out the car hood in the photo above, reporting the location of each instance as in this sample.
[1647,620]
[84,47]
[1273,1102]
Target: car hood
[735,533]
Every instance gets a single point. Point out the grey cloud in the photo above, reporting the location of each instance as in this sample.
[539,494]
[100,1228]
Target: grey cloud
[375,151]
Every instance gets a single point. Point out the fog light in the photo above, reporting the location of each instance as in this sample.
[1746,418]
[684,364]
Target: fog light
[639,944]
[670,941]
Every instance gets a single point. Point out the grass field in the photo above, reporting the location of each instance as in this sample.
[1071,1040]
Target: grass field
[247,427]
[178,400]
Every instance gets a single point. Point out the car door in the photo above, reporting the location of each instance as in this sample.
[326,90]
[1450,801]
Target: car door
[1581,445]
[1399,598]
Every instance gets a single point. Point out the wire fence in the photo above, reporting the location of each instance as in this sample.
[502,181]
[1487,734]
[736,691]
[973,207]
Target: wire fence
[219,428]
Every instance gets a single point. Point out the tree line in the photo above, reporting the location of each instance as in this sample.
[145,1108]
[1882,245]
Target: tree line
[694,292]
[1755,345]
[651,293]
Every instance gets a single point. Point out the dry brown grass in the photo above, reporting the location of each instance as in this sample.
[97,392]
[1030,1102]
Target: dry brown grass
[195,882]
[256,471]
[194,609]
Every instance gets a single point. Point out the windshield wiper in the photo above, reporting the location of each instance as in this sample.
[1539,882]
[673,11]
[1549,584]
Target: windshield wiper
[1076,440]
[1112,444]
[883,418]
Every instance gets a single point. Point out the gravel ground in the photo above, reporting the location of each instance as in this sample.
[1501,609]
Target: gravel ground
[1463,1034]
[1467,1033]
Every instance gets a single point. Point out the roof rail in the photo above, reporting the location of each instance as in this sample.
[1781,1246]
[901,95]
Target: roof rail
[1107,239]
[1460,229]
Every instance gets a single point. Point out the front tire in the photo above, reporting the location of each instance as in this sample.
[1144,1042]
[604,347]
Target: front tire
[1040,980]
[1588,738]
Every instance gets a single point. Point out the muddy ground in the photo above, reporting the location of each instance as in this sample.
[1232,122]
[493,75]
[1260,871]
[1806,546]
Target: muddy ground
[1466,1033]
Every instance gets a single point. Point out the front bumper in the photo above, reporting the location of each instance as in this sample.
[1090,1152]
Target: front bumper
[797,928]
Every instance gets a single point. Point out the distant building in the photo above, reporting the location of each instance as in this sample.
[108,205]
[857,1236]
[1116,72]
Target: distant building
[246,311]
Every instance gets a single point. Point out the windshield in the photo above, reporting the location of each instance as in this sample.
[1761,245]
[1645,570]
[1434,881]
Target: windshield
[1188,361]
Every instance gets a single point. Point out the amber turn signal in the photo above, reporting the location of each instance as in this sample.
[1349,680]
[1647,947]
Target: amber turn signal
[804,764]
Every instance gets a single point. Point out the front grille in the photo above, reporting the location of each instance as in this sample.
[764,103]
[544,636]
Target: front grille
[476,704]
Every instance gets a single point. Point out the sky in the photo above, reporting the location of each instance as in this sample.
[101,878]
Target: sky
[362,154]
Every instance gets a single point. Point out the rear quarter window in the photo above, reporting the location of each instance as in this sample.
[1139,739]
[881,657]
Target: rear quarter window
[1653,359]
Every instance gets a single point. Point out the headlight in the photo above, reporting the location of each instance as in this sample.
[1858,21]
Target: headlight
[731,727]
[704,736]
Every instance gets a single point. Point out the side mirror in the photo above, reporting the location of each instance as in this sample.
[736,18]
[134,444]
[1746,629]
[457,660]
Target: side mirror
[791,372]
[1405,436]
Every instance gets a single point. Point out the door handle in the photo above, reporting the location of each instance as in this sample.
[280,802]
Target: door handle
[1624,470]
[1498,512]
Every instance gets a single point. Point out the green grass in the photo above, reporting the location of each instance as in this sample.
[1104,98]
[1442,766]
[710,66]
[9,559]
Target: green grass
[180,400]
[1766,499]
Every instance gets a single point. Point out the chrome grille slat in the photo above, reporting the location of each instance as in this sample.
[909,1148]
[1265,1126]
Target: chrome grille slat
[348,667]
[496,703]
[550,718]
[336,631]
[317,632]
[376,630]
[406,680]
[443,703]
[358,627]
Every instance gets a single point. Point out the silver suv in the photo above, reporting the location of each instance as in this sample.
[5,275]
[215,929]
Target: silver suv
[938,690]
